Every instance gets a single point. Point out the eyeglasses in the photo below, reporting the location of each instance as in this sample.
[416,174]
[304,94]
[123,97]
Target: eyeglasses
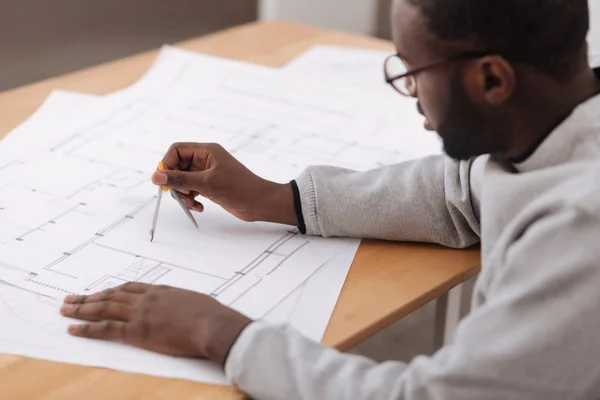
[403,79]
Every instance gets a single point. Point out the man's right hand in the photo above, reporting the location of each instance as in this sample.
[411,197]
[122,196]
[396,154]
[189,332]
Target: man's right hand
[210,171]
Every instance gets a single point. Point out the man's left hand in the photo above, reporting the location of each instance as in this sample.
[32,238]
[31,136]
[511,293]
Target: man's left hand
[159,318]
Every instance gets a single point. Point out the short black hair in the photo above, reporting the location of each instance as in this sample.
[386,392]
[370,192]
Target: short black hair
[545,34]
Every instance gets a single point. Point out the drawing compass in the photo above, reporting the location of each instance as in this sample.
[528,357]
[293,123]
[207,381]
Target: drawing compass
[177,196]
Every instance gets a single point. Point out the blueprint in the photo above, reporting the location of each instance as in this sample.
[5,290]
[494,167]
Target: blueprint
[75,213]
[307,309]
[75,206]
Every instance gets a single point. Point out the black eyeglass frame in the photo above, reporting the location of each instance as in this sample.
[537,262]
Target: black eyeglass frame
[433,64]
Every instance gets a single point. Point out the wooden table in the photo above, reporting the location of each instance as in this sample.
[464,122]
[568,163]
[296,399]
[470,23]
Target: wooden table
[387,280]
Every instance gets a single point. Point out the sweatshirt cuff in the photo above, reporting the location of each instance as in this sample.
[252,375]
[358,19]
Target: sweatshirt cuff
[235,358]
[245,367]
[306,189]
[298,208]
[262,363]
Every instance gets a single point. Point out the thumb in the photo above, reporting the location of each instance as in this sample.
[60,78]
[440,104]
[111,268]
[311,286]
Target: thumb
[178,179]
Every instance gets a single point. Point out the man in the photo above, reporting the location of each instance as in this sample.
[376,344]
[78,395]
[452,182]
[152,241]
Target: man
[507,85]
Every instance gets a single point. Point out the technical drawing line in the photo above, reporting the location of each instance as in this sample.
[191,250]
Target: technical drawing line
[52,221]
[10,164]
[53,263]
[4,265]
[112,180]
[137,274]
[5,301]
[226,285]
[7,186]
[103,182]
[11,224]
[208,105]
[86,187]
[244,292]
[96,282]
[106,121]
[180,74]
[141,208]
[166,271]
[297,300]
[252,137]
[257,262]
[190,122]
[259,259]
[124,219]
[287,257]
[68,254]
[160,261]
[261,96]
[65,141]
[107,281]
[62,273]
[281,241]
[105,163]
[50,286]
[139,149]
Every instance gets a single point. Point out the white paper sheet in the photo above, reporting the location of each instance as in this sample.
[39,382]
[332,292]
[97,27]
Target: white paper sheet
[307,309]
[399,124]
[98,214]
[108,179]
[256,113]
[33,327]
[353,66]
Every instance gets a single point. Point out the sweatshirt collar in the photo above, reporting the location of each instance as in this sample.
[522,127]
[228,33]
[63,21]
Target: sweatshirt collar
[576,138]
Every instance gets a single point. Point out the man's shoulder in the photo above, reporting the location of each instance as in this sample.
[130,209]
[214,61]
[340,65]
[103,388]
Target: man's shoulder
[580,188]
[572,189]
[594,58]
[570,192]
[564,212]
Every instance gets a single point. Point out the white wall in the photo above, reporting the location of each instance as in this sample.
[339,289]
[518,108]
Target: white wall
[594,37]
[358,16]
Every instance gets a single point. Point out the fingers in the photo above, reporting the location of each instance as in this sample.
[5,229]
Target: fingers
[180,180]
[118,296]
[123,294]
[183,156]
[187,166]
[114,330]
[134,287]
[98,311]
[191,203]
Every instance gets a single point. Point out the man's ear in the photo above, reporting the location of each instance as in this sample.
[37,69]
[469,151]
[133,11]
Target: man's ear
[491,80]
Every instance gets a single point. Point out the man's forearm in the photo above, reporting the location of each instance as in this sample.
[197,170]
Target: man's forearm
[426,200]
[277,204]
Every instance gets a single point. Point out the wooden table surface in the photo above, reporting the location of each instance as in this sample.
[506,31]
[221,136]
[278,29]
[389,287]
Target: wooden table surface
[386,282]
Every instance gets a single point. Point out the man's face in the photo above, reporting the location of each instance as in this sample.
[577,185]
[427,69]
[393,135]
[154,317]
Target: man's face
[465,127]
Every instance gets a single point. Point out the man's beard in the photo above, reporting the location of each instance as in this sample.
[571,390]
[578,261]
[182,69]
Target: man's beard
[465,131]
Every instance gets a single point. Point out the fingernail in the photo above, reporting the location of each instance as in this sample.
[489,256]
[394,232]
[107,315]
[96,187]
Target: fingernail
[159,178]
[66,308]
[74,329]
[70,299]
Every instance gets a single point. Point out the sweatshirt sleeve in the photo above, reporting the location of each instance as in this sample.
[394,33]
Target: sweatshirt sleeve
[535,337]
[434,199]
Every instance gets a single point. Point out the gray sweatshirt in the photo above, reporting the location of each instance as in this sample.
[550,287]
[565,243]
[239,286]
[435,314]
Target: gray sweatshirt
[535,326]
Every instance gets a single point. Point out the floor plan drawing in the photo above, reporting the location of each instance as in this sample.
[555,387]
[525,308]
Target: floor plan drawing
[101,211]
[76,203]
[90,229]
[108,266]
